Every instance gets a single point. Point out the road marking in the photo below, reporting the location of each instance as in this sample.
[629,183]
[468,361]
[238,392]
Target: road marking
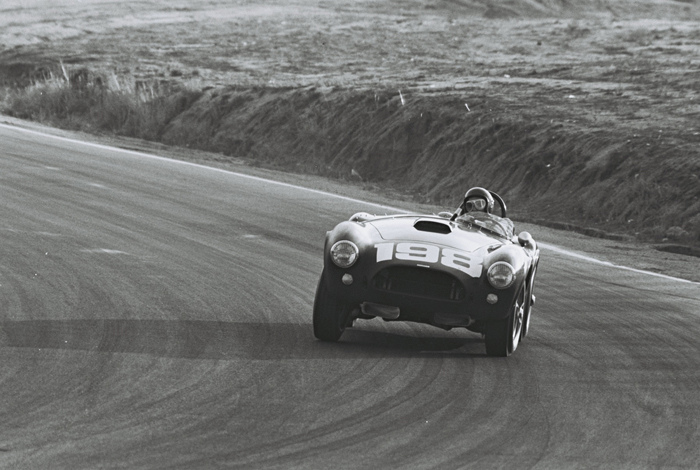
[107,251]
[546,246]
[198,165]
[590,259]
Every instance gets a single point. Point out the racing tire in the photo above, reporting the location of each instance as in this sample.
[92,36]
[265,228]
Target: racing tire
[330,315]
[528,304]
[503,336]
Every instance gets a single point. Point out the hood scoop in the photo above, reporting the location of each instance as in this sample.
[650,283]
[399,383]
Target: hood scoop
[432,226]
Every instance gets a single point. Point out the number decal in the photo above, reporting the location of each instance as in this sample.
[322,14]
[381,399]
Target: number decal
[460,261]
[418,252]
[424,253]
[385,251]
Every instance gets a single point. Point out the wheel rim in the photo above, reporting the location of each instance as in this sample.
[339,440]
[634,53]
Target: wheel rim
[518,318]
[526,323]
[528,303]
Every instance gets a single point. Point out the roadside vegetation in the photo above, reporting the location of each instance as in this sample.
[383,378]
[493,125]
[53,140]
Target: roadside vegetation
[606,142]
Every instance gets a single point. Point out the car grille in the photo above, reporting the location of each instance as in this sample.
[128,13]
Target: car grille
[421,282]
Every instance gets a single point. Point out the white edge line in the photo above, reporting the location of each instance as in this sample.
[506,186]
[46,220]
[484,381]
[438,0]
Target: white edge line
[572,254]
[197,165]
[546,246]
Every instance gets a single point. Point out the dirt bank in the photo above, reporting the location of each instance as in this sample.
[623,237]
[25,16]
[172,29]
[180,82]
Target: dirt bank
[579,116]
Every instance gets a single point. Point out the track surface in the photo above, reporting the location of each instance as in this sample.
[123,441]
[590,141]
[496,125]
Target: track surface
[156,314]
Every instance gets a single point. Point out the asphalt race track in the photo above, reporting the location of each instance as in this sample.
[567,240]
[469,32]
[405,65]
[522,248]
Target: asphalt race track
[157,314]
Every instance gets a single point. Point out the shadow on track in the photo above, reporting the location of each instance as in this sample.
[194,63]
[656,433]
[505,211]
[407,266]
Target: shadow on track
[223,340]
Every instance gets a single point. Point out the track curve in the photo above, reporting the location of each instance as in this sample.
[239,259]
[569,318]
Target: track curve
[157,314]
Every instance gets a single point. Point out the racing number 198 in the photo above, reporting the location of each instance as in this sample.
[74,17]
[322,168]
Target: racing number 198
[420,252]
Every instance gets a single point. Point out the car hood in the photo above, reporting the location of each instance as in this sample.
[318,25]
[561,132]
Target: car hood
[436,230]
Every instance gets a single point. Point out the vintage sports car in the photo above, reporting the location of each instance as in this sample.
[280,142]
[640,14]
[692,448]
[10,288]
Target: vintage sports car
[463,269]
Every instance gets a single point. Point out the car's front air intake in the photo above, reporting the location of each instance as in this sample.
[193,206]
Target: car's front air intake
[421,282]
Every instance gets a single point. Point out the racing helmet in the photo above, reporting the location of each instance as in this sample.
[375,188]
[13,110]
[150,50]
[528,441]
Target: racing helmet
[478,200]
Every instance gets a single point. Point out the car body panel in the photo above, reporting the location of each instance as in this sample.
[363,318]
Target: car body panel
[432,269]
[404,228]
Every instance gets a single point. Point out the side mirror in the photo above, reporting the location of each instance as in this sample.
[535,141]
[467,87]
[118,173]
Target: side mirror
[526,240]
[361,217]
[445,214]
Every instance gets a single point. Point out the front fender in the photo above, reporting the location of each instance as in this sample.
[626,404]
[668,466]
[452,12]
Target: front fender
[516,257]
[359,233]
[513,255]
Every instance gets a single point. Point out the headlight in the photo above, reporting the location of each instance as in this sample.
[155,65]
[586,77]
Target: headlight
[501,275]
[344,253]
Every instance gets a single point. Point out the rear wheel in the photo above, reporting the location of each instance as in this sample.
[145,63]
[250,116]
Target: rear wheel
[330,314]
[503,336]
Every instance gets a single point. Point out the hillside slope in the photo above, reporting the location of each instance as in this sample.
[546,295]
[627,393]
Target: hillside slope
[570,9]
[432,148]
[579,112]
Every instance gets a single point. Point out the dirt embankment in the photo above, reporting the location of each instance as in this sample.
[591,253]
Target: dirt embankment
[583,115]
[434,146]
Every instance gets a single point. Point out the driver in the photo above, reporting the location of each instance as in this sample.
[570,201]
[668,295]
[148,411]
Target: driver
[479,203]
[478,200]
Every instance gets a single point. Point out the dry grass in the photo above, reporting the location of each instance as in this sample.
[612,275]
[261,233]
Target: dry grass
[587,116]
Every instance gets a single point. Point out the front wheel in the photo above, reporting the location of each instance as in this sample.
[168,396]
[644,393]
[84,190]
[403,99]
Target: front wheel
[528,303]
[503,336]
[330,314]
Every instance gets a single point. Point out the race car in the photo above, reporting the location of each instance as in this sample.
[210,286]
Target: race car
[462,269]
